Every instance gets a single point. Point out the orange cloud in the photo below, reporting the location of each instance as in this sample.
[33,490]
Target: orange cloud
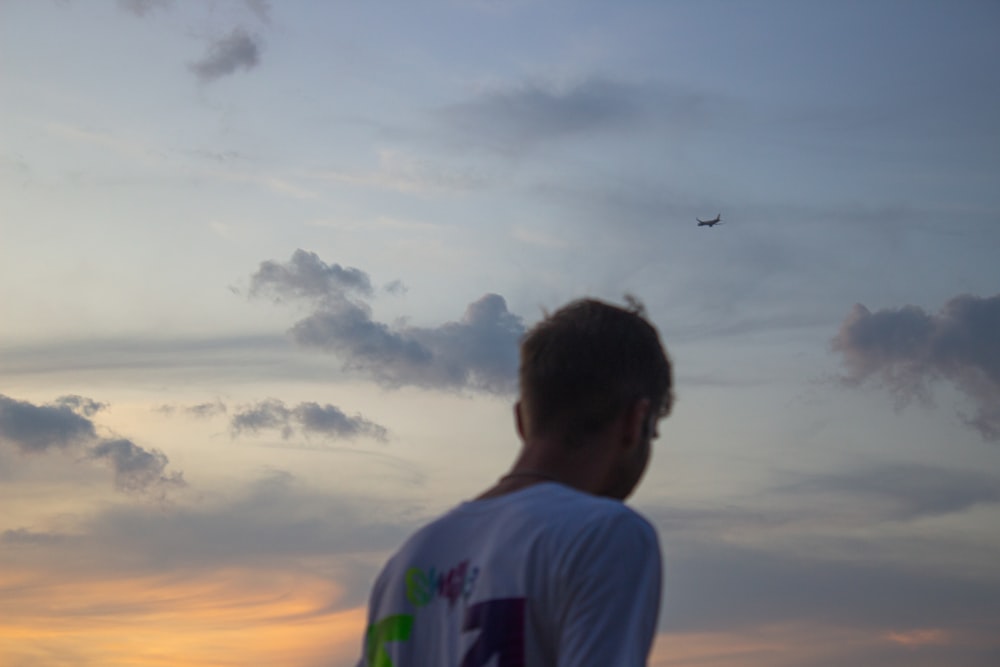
[218,618]
[780,645]
[914,638]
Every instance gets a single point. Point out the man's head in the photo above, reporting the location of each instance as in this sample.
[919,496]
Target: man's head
[588,363]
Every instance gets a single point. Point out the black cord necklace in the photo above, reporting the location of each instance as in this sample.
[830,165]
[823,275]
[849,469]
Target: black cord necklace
[536,474]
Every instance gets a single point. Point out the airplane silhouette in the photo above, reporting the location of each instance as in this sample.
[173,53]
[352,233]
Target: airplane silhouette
[717,220]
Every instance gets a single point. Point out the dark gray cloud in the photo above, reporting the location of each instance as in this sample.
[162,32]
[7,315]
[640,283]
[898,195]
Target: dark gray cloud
[37,428]
[142,7]
[205,410]
[305,275]
[348,330]
[199,410]
[477,352]
[331,420]
[310,418]
[136,469]
[61,426]
[907,349]
[236,50]
[85,406]
[266,415]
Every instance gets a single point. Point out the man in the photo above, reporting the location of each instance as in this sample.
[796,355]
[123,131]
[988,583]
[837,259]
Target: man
[548,566]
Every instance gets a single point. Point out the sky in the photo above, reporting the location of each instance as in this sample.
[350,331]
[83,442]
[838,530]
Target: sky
[264,267]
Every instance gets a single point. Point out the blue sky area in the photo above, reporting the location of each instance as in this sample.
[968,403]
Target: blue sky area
[264,267]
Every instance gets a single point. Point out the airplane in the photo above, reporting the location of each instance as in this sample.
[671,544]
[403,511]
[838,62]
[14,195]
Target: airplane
[717,220]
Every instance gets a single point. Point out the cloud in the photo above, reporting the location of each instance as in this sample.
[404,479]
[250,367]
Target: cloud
[395,287]
[59,425]
[311,418]
[838,549]
[23,536]
[243,355]
[37,428]
[276,554]
[911,490]
[403,172]
[908,349]
[512,118]
[531,112]
[142,7]
[718,586]
[305,275]
[478,352]
[276,519]
[136,469]
[227,54]
[198,411]
[86,406]
[204,410]
[260,8]
[330,420]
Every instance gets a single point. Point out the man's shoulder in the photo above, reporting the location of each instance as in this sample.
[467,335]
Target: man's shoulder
[549,512]
[562,498]
[563,511]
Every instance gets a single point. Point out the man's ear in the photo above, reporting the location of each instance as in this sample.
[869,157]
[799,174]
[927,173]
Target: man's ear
[519,419]
[637,422]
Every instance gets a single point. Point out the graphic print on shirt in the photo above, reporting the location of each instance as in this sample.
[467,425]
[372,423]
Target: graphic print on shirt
[499,622]
[421,586]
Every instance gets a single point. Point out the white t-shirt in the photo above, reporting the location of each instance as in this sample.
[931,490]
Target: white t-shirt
[543,576]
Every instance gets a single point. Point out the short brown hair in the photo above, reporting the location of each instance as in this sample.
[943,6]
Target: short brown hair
[585,363]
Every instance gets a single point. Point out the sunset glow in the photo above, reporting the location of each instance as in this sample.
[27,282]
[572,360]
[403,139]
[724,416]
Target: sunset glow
[265,266]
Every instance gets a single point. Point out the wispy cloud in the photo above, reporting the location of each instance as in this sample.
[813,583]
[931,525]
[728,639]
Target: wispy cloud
[143,7]
[531,112]
[907,349]
[260,8]
[477,352]
[905,491]
[717,585]
[206,409]
[198,583]
[922,637]
[271,520]
[227,54]
[309,418]
[404,172]
[512,118]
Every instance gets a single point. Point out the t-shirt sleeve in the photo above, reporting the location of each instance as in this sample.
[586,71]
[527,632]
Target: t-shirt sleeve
[612,595]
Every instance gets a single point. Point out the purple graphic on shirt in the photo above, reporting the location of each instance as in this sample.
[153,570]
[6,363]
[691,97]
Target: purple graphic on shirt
[501,633]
